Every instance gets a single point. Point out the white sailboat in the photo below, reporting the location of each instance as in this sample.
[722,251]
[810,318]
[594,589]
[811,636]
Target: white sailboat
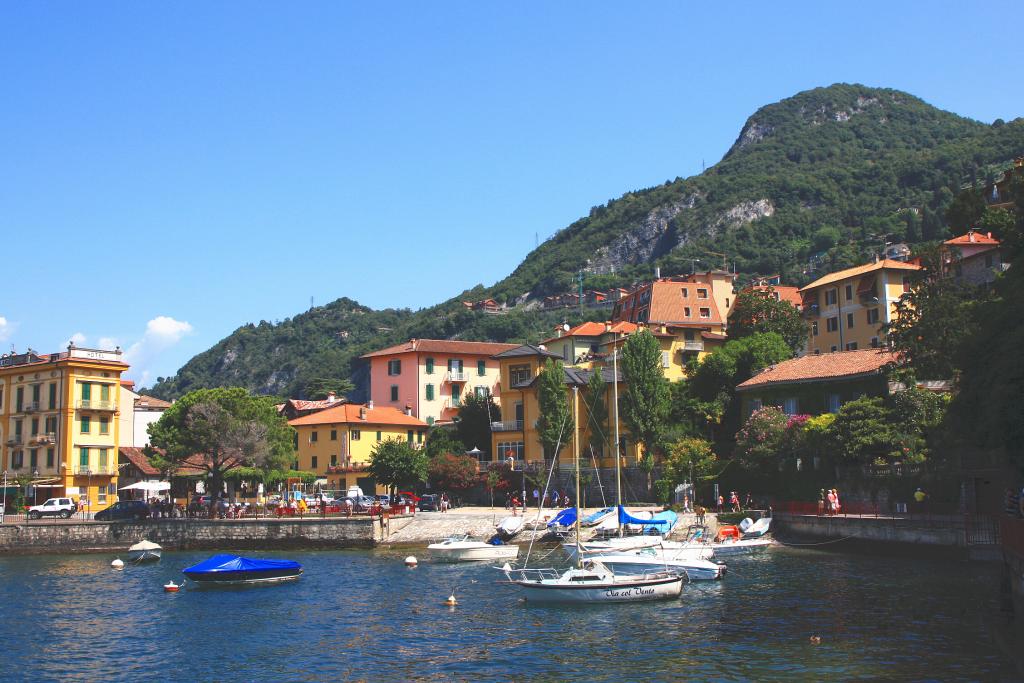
[464,549]
[590,581]
[144,551]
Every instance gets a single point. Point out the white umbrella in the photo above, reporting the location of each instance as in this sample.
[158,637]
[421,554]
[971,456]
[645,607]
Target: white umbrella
[148,486]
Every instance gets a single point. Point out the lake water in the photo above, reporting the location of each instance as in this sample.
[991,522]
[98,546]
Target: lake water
[357,615]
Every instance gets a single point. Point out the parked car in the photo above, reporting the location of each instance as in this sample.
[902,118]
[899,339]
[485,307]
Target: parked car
[383,499]
[124,509]
[54,507]
[429,503]
[362,503]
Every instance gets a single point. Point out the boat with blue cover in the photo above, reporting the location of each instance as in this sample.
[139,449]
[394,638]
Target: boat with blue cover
[233,570]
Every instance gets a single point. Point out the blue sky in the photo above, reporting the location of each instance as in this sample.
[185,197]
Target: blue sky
[234,159]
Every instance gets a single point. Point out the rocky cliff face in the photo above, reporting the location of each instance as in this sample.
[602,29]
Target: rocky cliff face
[644,242]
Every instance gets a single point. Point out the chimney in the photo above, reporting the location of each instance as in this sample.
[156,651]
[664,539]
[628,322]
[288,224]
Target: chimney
[989,235]
[408,410]
[331,397]
[657,272]
[362,413]
[558,330]
[369,404]
[608,326]
[970,235]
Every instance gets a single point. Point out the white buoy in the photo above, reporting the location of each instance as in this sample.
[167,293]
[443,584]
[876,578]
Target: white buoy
[117,564]
[506,567]
[411,561]
[451,601]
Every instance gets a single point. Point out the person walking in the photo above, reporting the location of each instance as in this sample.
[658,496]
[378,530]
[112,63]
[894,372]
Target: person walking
[734,501]
[835,495]
[536,498]
[699,511]
[831,500]
[919,498]
[721,503]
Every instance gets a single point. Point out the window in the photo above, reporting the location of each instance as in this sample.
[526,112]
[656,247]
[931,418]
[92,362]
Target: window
[481,367]
[565,353]
[756,404]
[481,392]
[429,392]
[85,424]
[814,328]
[688,335]
[18,460]
[19,399]
[834,348]
[874,342]
[35,393]
[394,392]
[727,300]
[702,293]
[313,463]
[313,437]
[51,425]
[849,320]
[101,495]
[104,392]
[33,457]
[17,427]
[664,359]
[849,292]
[511,449]
[833,403]
[906,284]
[104,425]
[104,454]
[705,312]
[519,374]
[419,436]
[34,429]
[851,346]
[394,367]
[831,296]
[430,366]
[334,459]
[83,458]
[53,395]
[380,435]
[686,311]
[409,436]
[872,316]
[86,391]
[334,435]
[356,435]
[789,406]
[49,457]
[456,393]
[832,324]
[686,292]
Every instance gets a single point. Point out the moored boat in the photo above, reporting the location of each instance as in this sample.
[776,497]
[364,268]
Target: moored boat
[465,549]
[592,582]
[509,527]
[144,551]
[233,570]
[679,561]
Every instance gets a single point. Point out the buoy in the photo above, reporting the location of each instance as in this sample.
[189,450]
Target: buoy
[171,587]
[451,601]
[117,564]
[411,561]
[506,567]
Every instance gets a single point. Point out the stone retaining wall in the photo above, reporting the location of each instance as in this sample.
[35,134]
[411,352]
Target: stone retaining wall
[884,530]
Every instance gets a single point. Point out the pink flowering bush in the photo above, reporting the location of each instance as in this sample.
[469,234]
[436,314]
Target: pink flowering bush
[759,442]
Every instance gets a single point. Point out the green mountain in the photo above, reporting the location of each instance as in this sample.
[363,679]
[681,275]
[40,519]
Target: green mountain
[813,183]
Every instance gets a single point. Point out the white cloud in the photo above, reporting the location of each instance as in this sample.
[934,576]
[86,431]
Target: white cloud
[162,332]
[107,343]
[6,328]
[78,339]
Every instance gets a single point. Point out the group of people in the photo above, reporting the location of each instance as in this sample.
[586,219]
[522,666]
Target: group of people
[554,499]
[734,502]
[829,502]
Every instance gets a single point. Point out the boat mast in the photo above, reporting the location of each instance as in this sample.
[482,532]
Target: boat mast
[576,459]
[615,404]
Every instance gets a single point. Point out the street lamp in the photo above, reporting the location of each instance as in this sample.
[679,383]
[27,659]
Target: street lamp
[3,508]
[35,487]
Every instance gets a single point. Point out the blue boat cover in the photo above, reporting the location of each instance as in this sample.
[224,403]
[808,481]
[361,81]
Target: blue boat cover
[223,564]
[595,517]
[626,518]
[566,517]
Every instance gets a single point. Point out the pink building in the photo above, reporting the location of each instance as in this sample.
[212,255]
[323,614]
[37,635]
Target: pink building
[432,376]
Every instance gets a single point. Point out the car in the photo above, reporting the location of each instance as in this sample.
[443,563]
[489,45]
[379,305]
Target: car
[123,509]
[429,502]
[383,499]
[54,507]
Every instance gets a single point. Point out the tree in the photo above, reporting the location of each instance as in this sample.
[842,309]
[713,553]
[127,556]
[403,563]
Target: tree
[645,402]
[473,425]
[965,211]
[555,424]
[862,433]
[757,312]
[452,472]
[396,464]
[219,429]
[317,389]
[932,321]
[759,443]
[689,460]
[441,440]
[597,411]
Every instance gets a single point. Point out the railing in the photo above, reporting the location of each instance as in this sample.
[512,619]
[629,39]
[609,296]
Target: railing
[693,346]
[45,438]
[894,470]
[346,468]
[101,471]
[15,440]
[911,511]
[456,376]
[86,404]
[31,406]
[507,426]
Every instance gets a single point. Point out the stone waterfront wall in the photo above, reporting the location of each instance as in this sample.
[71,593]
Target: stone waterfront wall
[883,530]
[189,534]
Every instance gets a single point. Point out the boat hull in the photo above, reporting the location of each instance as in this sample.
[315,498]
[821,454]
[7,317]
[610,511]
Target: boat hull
[244,578]
[476,554]
[143,555]
[694,570]
[742,547]
[619,591]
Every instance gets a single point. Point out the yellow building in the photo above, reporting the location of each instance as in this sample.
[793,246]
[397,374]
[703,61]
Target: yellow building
[847,309]
[336,443]
[515,435]
[59,422]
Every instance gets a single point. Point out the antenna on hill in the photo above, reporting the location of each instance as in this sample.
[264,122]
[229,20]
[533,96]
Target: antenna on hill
[311,303]
[536,240]
[702,166]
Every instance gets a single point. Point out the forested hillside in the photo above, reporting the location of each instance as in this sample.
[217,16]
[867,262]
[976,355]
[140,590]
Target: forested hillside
[831,173]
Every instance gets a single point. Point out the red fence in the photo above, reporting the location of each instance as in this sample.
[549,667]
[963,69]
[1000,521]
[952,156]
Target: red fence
[1011,534]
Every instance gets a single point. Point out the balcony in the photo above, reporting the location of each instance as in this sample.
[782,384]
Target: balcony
[31,406]
[456,376]
[15,440]
[346,468]
[697,345]
[44,439]
[86,404]
[98,471]
[507,426]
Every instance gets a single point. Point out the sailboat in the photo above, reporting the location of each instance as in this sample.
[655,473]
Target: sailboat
[589,581]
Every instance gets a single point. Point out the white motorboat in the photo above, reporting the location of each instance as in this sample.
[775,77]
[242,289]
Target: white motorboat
[144,551]
[594,583]
[741,546]
[464,549]
[652,559]
[509,527]
[629,543]
[757,529]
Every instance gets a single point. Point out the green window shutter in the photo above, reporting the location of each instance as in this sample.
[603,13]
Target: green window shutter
[104,425]
[83,458]
[430,366]
[85,424]
[103,458]
[86,391]
[104,392]
[430,392]
[481,368]
[53,396]
[449,365]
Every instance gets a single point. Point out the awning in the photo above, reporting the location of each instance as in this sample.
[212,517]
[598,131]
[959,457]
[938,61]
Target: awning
[866,286]
[147,486]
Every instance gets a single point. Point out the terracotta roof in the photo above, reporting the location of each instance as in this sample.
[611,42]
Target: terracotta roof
[144,401]
[595,329]
[301,405]
[786,292]
[973,237]
[137,457]
[442,346]
[859,270]
[825,366]
[350,413]
[668,305]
